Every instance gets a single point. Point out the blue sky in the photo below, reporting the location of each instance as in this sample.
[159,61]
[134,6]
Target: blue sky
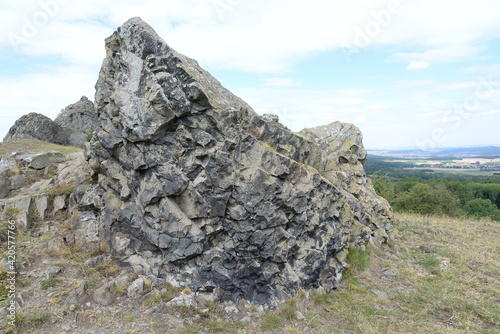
[407,73]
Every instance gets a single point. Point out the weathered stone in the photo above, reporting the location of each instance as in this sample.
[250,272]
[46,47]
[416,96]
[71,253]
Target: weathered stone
[381,294]
[391,272]
[56,245]
[59,203]
[95,261]
[6,165]
[196,187]
[18,181]
[38,186]
[42,205]
[23,210]
[52,271]
[136,289]
[186,300]
[104,295]
[70,239]
[4,265]
[427,249]
[300,316]
[270,118]
[80,116]
[38,161]
[74,169]
[5,187]
[38,126]
[87,229]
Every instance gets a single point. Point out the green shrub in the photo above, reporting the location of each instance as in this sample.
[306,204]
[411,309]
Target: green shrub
[90,135]
[481,208]
[427,200]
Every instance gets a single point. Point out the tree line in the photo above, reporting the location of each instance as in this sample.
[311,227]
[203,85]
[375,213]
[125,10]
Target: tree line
[452,197]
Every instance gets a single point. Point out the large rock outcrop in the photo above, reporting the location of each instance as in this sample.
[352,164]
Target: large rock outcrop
[80,116]
[38,126]
[195,187]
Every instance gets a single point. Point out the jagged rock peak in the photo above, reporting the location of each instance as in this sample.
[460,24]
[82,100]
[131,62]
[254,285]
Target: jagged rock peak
[153,84]
[80,116]
[195,188]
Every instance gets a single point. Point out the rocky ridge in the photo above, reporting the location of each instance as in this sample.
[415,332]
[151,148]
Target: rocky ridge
[71,127]
[38,126]
[194,188]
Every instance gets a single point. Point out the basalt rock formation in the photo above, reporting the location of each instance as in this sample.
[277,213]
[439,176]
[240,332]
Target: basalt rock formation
[194,187]
[80,116]
[38,126]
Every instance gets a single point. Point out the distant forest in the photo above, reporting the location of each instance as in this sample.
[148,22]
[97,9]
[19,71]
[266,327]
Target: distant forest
[418,191]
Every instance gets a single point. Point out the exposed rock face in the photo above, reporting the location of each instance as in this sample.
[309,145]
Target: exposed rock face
[345,156]
[38,126]
[195,187]
[80,116]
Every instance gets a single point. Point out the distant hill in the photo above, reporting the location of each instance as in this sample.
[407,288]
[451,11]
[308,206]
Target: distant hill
[457,152]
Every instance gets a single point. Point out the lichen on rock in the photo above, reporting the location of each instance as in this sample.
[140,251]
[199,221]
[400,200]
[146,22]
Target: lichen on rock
[195,187]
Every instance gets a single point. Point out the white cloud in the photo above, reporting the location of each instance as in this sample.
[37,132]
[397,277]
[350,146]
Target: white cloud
[482,69]
[490,112]
[457,86]
[360,119]
[342,101]
[445,54]
[265,36]
[417,65]
[280,82]
[419,96]
[258,36]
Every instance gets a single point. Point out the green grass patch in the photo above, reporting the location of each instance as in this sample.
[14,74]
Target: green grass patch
[429,261]
[223,326]
[358,259]
[289,309]
[271,321]
[49,283]
[320,298]
[190,329]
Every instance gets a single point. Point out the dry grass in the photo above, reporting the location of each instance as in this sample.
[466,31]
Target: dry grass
[34,146]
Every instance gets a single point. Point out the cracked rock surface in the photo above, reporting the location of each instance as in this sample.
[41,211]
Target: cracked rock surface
[194,187]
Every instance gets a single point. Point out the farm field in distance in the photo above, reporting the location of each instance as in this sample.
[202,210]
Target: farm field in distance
[481,162]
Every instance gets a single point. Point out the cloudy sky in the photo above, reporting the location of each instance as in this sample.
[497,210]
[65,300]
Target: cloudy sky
[408,73]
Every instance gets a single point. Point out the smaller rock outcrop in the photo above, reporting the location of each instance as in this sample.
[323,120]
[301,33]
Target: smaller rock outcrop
[80,116]
[71,127]
[38,126]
